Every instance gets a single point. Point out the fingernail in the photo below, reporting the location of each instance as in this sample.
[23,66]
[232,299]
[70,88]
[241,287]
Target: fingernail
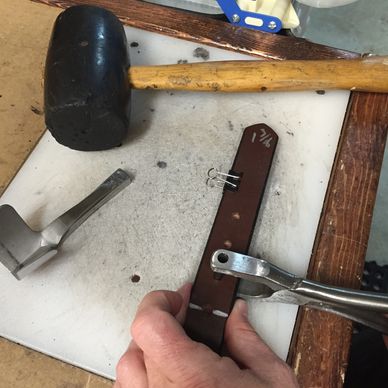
[242,307]
[184,290]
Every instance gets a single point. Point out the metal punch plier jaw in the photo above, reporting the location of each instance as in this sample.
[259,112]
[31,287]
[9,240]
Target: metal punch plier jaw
[272,284]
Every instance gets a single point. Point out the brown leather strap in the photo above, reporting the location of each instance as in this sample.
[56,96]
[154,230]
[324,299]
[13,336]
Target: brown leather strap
[213,295]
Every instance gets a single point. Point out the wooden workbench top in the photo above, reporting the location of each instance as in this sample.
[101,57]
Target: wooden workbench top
[360,150]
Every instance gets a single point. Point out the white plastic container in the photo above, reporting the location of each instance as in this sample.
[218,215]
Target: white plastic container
[311,12]
[359,26]
[325,3]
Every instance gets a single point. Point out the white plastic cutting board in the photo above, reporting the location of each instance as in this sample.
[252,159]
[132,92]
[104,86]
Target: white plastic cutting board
[79,306]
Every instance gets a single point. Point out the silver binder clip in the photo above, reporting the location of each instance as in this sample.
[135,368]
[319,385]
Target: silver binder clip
[221,179]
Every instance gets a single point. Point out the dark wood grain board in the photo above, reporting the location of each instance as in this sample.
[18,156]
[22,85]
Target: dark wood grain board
[204,30]
[319,351]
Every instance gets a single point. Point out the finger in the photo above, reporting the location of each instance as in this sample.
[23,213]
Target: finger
[247,348]
[184,292]
[130,370]
[166,301]
[163,340]
[244,345]
[155,376]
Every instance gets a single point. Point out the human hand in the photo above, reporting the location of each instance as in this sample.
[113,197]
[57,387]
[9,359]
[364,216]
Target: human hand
[161,355]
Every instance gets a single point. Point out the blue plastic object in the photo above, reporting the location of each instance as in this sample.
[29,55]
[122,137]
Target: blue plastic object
[237,17]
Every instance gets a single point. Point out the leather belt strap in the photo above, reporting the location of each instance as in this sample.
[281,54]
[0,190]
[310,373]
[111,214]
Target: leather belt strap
[213,295]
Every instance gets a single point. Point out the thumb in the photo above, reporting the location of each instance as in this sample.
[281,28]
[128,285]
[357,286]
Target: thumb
[244,345]
[184,292]
[248,349]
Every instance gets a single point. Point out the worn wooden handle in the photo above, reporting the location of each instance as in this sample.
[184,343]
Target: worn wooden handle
[367,74]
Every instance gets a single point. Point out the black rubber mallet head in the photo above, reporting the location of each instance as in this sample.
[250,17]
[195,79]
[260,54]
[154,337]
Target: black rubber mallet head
[86,89]
[88,78]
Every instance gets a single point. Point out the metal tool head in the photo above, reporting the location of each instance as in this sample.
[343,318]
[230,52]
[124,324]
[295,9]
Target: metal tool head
[22,249]
[232,263]
[19,244]
[269,283]
[86,88]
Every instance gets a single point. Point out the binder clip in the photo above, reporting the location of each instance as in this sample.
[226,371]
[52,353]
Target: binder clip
[228,181]
[264,15]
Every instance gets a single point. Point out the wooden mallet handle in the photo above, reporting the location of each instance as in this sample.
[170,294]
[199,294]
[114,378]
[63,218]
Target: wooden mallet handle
[365,74]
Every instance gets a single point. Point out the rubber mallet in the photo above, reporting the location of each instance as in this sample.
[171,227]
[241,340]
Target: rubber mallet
[88,78]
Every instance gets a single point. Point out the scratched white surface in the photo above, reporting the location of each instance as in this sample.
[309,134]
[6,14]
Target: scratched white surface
[78,306]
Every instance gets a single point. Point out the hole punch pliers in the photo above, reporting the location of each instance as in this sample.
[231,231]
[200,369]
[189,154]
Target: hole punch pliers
[272,284]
